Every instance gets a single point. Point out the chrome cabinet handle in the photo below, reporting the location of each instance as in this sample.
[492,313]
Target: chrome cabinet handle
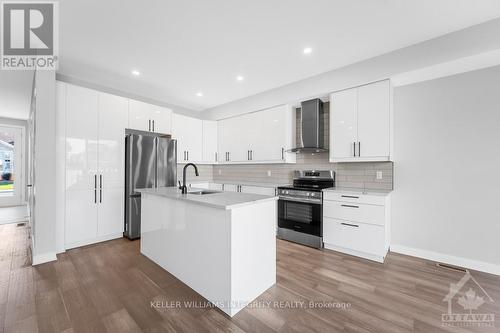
[100,188]
[282,153]
[187,154]
[350,225]
[95,188]
[149,128]
[216,157]
[153,125]
[350,206]
[251,155]
[359,149]
[349,196]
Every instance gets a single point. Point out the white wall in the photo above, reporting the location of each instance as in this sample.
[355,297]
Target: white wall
[471,41]
[45,163]
[447,170]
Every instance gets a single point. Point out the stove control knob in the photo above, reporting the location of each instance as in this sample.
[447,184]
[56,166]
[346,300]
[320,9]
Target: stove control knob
[312,194]
[308,194]
[286,192]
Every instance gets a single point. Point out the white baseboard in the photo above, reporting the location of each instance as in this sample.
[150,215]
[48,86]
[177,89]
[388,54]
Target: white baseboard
[369,256]
[93,240]
[43,258]
[447,259]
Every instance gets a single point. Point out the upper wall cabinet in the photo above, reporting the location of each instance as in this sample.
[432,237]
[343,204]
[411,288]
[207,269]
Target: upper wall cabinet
[188,133]
[149,117]
[360,122]
[258,137]
[209,142]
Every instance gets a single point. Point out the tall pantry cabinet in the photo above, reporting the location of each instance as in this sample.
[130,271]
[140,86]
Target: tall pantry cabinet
[94,130]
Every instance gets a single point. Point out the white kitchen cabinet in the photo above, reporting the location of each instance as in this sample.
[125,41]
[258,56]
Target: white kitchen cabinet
[110,212]
[258,137]
[360,122]
[357,224]
[233,140]
[94,161]
[148,117]
[81,217]
[82,105]
[188,133]
[112,119]
[209,142]
[343,124]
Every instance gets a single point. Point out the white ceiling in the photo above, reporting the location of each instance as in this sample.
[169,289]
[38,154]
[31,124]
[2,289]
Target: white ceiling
[184,47]
[15,94]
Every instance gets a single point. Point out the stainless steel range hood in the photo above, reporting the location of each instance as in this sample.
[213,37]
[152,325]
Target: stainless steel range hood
[311,136]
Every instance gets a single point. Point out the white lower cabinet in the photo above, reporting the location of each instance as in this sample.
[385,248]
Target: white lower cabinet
[110,212]
[358,225]
[81,217]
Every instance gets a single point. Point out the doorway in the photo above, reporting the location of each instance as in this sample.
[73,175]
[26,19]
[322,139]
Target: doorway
[12,173]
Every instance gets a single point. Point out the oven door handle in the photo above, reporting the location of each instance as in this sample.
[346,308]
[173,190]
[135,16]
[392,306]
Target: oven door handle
[313,201]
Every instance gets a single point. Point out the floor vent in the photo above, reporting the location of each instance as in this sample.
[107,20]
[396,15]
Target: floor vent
[21,224]
[453,268]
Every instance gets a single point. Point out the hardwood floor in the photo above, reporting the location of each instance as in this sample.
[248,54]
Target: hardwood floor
[110,287]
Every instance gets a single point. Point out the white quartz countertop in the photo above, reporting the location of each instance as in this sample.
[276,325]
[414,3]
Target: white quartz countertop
[222,200]
[359,191]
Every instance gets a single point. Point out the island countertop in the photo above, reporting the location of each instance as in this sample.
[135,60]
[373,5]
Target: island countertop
[222,200]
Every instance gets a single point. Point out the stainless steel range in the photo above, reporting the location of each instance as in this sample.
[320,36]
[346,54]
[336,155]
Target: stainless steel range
[300,207]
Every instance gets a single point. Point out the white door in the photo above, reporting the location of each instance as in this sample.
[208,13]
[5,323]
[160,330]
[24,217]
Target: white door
[82,106]
[81,217]
[179,123]
[112,124]
[11,165]
[343,124]
[110,212]
[162,120]
[140,115]
[193,136]
[272,140]
[374,120]
[209,141]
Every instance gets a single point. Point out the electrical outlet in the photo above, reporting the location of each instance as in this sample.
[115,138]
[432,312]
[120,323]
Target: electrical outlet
[379,175]
[269,173]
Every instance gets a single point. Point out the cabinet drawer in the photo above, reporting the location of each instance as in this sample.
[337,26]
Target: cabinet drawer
[352,197]
[371,214]
[361,237]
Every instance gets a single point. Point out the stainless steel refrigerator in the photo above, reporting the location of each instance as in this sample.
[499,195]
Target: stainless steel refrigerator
[150,161]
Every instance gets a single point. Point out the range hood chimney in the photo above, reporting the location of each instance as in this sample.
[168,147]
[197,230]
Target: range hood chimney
[311,138]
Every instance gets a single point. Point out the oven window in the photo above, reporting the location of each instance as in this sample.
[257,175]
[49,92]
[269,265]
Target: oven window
[297,212]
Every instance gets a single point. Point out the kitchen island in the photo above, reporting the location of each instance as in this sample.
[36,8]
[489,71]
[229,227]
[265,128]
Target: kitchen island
[221,244]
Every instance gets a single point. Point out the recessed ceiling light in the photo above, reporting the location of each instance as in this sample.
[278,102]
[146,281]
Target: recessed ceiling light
[199,94]
[135,72]
[307,50]
[240,78]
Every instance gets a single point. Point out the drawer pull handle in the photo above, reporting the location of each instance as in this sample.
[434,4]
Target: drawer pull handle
[349,196]
[350,225]
[297,227]
[350,206]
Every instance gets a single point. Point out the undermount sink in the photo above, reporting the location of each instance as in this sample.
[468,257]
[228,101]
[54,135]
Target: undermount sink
[203,192]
